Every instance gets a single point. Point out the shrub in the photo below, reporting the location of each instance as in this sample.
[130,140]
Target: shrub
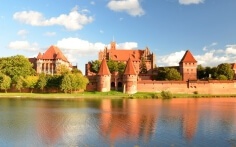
[195,92]
[166,94]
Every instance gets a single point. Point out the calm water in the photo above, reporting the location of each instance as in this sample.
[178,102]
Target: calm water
[88,122]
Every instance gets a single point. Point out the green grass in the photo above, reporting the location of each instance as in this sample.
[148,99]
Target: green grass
[111,94]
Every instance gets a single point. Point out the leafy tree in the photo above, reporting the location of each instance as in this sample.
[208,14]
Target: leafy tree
[161,73]
[121,67]
[62,69]
[165,73]
[76,70]
[19,83]
[201,72]
[42,81]
[226,70]
[5,82]
[112,65]
[16,66]
[82,81]
[53,81]
[222,77]
[143,67]
[66,84]
[95,66]
[31,82]
[173,74]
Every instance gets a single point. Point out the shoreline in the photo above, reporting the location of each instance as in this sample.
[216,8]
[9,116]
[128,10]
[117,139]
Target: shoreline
[106,95]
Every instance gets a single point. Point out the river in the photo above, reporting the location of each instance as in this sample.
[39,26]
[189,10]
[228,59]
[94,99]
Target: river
[118,122]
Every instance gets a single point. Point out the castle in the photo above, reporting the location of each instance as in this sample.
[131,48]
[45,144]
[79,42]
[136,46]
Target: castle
[49,61]
[128,82]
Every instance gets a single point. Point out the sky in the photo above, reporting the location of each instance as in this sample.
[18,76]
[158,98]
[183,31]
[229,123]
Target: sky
[81,28]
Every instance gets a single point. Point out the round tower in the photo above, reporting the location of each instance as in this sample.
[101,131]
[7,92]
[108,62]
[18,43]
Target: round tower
[103,78]
[130,78]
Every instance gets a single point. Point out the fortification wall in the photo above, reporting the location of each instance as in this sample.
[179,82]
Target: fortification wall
[202,87]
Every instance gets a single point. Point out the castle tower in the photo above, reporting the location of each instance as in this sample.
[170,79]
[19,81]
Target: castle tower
[130,78]
[113,45]
[103,78]
[188,67]
[39,63]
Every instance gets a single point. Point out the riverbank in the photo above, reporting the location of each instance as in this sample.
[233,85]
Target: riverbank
[112,94]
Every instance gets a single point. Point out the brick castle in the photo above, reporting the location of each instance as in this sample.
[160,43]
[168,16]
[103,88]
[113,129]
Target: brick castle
[131,81]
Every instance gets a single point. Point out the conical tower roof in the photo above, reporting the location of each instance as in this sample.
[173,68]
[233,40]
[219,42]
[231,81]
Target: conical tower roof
[40,56]
[103,70]
[129,69]
[188,57]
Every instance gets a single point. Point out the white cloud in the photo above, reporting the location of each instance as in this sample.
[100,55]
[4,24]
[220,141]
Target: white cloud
[50,34]
[127,45]
[132,7]
[72,21]
[82,46]
[23,45]
[92,3]
[231,49]
[170,60]
[207,47]
[189,2]
[22,33]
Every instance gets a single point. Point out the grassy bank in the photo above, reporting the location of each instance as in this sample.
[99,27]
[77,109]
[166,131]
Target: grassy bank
[112,94]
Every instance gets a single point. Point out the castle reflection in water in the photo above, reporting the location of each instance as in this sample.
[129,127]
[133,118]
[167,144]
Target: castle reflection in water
[148,122]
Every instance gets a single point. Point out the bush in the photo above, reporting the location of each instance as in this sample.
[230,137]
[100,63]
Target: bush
[166,94]
[195,92]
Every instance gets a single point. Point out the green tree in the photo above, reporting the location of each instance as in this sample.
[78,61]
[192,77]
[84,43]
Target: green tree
[16,66]
[121,67]
[222,77]
[94,66]
[53,81]
[5,82]
[31,82]
[66,84]
[62,69]
[19,83]
[76,70]
[165,73]
[42,81]
[226,70]
[142,67]
[201,72]
[173,74]
[112,65]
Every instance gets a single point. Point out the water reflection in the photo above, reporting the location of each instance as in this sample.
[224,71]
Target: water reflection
[117,122]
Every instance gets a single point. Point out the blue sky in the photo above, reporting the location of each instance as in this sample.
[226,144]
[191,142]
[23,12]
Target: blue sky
[80,28]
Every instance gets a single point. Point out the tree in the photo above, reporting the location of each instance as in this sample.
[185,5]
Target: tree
[5,82]
[201,72]
[165,73]
[222,77]
[19,83]
[31,82]
[16,66]
[66,84]
[76,70]
[173,74]
[95,66]
[226,70]
[121,67]
[112,65]
[142,67]
[42,81]
[62,69]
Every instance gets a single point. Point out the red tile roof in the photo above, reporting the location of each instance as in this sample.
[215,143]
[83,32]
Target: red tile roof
[103,70]
[124,55]
[188,57]
[53,52]
[129,69]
